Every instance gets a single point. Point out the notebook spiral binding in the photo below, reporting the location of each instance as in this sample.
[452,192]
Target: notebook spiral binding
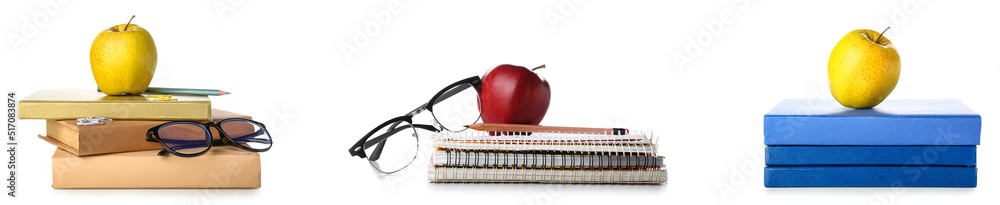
[547,158]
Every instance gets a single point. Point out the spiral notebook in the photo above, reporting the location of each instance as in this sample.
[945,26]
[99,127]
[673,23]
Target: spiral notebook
[470,158]
[564,176]
[478,157]
[565,142]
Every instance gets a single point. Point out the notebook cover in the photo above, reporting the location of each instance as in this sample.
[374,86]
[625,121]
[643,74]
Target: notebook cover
[73,104]
[964,155]
[869,176]
[894,122]
[221,167]
[116,136]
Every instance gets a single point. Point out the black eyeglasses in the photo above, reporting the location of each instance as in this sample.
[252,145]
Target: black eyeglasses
[192,139]
[453,107]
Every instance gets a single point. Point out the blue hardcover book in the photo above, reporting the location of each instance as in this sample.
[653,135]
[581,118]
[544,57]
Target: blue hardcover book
[869,176]
[963,155]
[894,122]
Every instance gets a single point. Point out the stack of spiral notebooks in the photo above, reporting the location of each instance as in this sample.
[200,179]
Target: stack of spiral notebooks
[517,157]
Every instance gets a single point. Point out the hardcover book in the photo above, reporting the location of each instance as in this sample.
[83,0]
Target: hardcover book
[871,155]
[74,104]
[869,176]
[115,136]
[221,167]
[894,122]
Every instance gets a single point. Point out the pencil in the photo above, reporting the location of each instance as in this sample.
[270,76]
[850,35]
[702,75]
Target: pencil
[494,127]
[184,91]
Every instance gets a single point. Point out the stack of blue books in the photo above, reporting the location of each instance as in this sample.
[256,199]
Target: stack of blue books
[899,143]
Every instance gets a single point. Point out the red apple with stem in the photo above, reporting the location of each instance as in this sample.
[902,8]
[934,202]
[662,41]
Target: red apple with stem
[514,95]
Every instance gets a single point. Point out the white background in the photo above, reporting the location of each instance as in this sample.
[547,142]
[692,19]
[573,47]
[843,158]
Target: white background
[610,63]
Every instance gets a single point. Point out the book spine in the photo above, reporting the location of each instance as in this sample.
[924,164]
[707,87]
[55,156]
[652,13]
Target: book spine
[869,176]
[871,155]
[136,111]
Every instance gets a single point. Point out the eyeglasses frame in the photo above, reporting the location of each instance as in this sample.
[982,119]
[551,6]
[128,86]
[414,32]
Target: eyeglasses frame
[152,135]
[359,147]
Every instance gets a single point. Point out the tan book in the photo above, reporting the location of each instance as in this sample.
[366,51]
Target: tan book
[73,104]
[221,167]
[115,136]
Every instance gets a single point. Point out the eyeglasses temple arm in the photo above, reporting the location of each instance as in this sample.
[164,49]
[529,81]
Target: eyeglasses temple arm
[187,144]
[381,139]
[252,137]
[458,88]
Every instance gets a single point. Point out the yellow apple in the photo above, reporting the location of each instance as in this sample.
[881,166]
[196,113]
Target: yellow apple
[863,69]
[123,59]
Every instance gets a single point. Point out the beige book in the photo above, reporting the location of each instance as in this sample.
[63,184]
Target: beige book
[221,167]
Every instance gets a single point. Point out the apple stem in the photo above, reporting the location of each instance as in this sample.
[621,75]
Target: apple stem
[883,33]
[129,22]
[539,67]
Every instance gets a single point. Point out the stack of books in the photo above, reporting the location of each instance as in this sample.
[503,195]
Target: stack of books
[518,157]
[115,154]
[899,143]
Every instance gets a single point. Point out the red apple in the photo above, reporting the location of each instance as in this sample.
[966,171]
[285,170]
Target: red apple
[514,95]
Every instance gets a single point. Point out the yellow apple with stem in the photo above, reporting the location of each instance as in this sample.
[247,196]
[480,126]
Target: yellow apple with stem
[863,69]
[123,59]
